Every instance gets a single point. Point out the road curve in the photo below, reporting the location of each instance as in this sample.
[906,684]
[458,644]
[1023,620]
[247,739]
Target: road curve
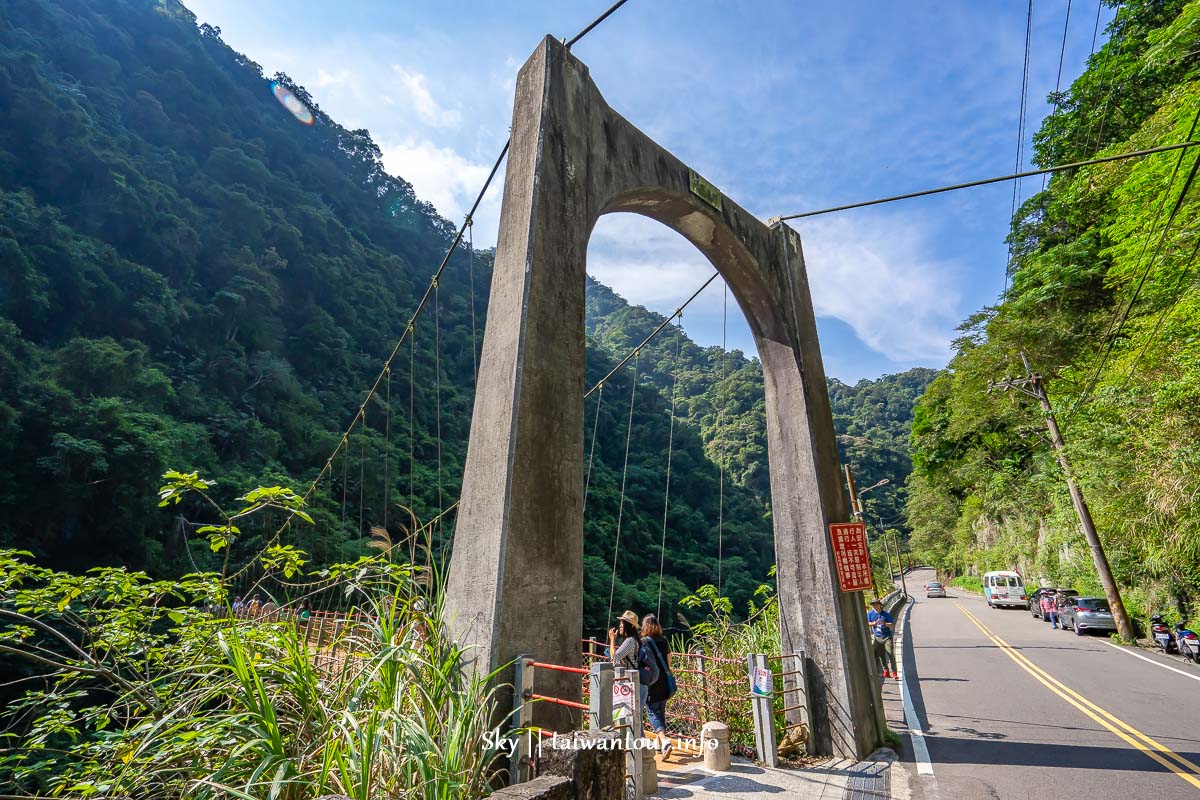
[1011,708]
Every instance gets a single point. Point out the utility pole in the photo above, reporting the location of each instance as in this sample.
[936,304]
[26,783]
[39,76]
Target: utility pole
[1032,385]
[857,509]
[899,563]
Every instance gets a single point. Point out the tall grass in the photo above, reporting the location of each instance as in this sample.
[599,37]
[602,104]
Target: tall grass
[230,708]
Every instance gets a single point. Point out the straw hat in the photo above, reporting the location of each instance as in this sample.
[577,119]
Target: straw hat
[631,618]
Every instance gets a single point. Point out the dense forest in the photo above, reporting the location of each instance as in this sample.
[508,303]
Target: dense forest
[1104,301]
[192,279]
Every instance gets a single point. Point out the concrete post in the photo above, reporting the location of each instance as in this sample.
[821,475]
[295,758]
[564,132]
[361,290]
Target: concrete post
[600,705]
[516,579]
[764,716]
[522,718]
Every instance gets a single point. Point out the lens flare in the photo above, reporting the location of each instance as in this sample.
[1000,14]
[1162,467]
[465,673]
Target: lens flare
[291,103]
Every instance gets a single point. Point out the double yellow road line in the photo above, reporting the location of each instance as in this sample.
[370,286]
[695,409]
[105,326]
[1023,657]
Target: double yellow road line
[1174,762]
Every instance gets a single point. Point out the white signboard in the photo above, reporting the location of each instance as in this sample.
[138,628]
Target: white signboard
[623,701]
[762,684]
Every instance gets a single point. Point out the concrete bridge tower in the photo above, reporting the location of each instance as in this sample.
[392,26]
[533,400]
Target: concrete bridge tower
[516,582]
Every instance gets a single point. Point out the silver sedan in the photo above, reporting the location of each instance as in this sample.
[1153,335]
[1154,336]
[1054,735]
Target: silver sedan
[935,589]
[1083,614]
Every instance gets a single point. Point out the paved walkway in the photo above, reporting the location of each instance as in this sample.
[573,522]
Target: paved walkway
[834,780]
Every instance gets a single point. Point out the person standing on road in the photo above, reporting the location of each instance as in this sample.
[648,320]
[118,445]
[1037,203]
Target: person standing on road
[1049,609]
[881,623]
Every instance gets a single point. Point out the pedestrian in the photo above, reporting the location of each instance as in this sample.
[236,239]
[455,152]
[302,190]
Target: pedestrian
[656,695]
[1052,609]
[881,623]
[1048,610]
[624,641]
[238,605]
[253,607]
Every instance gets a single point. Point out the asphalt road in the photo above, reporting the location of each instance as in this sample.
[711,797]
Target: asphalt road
[1011,708]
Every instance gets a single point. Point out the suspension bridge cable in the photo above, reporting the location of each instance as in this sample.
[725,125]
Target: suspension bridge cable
[612,586]
[662,548]
[474,325]
[986,181]
[387,444]
[724,389]
[587,483]
[633,353]
[1113,334]
[1020,139]
[437,376]
[424,299]
[595,22]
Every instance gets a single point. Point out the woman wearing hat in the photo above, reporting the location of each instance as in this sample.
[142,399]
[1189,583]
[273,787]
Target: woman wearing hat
[624,641]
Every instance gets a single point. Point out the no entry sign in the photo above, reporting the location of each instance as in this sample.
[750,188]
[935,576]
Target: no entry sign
[850,553]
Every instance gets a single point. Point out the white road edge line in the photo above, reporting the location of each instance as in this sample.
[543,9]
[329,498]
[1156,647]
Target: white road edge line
[920,749]
[1151,660]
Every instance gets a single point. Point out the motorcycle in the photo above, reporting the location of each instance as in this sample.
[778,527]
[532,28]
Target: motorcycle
[1163,640]
[1187,643]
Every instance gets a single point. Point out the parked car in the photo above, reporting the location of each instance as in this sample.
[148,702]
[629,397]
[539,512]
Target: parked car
[1035,598]
[1083,614]
[1003,589]
[935,589]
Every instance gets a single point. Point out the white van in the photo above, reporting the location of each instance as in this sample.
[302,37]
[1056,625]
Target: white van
[1004,589]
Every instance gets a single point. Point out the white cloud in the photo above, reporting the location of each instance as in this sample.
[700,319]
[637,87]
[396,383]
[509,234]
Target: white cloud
[430,111]
[449,181]
[339,78]
[876,275]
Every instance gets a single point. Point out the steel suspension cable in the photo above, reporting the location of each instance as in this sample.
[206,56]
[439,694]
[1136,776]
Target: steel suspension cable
[412,393]
[474,326]
[344,441]
[612,587]
[387,444]
[362,475]
[1114,41]
[437,372]
[587,483]
[667,321]
[722,390]
[1112,334]
[662,548]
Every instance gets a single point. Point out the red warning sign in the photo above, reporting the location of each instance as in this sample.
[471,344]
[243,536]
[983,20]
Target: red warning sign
[851,554]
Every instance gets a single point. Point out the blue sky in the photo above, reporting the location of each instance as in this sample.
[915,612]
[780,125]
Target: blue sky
[786,106]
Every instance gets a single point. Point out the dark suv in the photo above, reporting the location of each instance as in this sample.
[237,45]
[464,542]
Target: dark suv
[1035,598]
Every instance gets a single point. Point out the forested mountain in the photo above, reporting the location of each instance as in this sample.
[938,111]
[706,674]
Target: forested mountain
[1105,303]
[193,279]
[721,396]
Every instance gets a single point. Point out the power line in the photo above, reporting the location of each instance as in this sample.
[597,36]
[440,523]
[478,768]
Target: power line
[1062,54]
[1187,267]
[1114,334]
[1020,138]
[984,182]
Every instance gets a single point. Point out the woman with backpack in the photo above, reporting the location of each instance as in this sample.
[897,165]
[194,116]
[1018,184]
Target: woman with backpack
[654,651]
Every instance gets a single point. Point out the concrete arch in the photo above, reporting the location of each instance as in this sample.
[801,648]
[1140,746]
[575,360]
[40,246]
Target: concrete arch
[516,582]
